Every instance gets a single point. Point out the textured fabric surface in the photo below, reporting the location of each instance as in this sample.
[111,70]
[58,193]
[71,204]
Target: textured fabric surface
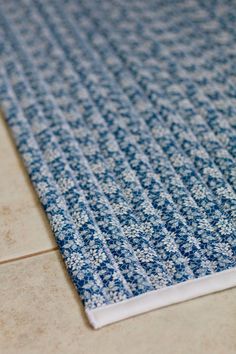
[124,113]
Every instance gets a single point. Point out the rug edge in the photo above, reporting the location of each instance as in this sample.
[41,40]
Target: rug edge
[152,300]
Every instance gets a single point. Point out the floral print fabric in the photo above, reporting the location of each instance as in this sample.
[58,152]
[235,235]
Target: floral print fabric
[124,113]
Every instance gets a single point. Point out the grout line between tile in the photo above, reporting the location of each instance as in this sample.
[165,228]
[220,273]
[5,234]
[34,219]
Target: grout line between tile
[27,256]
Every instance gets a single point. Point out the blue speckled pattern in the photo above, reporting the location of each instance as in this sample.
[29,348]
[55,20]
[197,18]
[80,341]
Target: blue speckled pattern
[125,115]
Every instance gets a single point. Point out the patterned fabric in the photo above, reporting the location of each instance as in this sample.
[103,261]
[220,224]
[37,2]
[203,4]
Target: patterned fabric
[125,114]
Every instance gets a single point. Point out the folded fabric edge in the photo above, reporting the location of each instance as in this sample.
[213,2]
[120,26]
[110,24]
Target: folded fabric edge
[152,300]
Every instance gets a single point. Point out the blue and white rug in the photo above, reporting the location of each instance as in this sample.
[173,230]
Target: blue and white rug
[125,115]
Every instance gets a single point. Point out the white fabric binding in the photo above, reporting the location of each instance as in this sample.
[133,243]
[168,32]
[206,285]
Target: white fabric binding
[190,289]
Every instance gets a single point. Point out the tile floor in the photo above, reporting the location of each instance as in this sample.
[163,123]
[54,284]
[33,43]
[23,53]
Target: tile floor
[40,312]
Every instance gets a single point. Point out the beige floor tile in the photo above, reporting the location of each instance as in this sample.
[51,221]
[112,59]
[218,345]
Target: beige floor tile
[40,312]
[24,227]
